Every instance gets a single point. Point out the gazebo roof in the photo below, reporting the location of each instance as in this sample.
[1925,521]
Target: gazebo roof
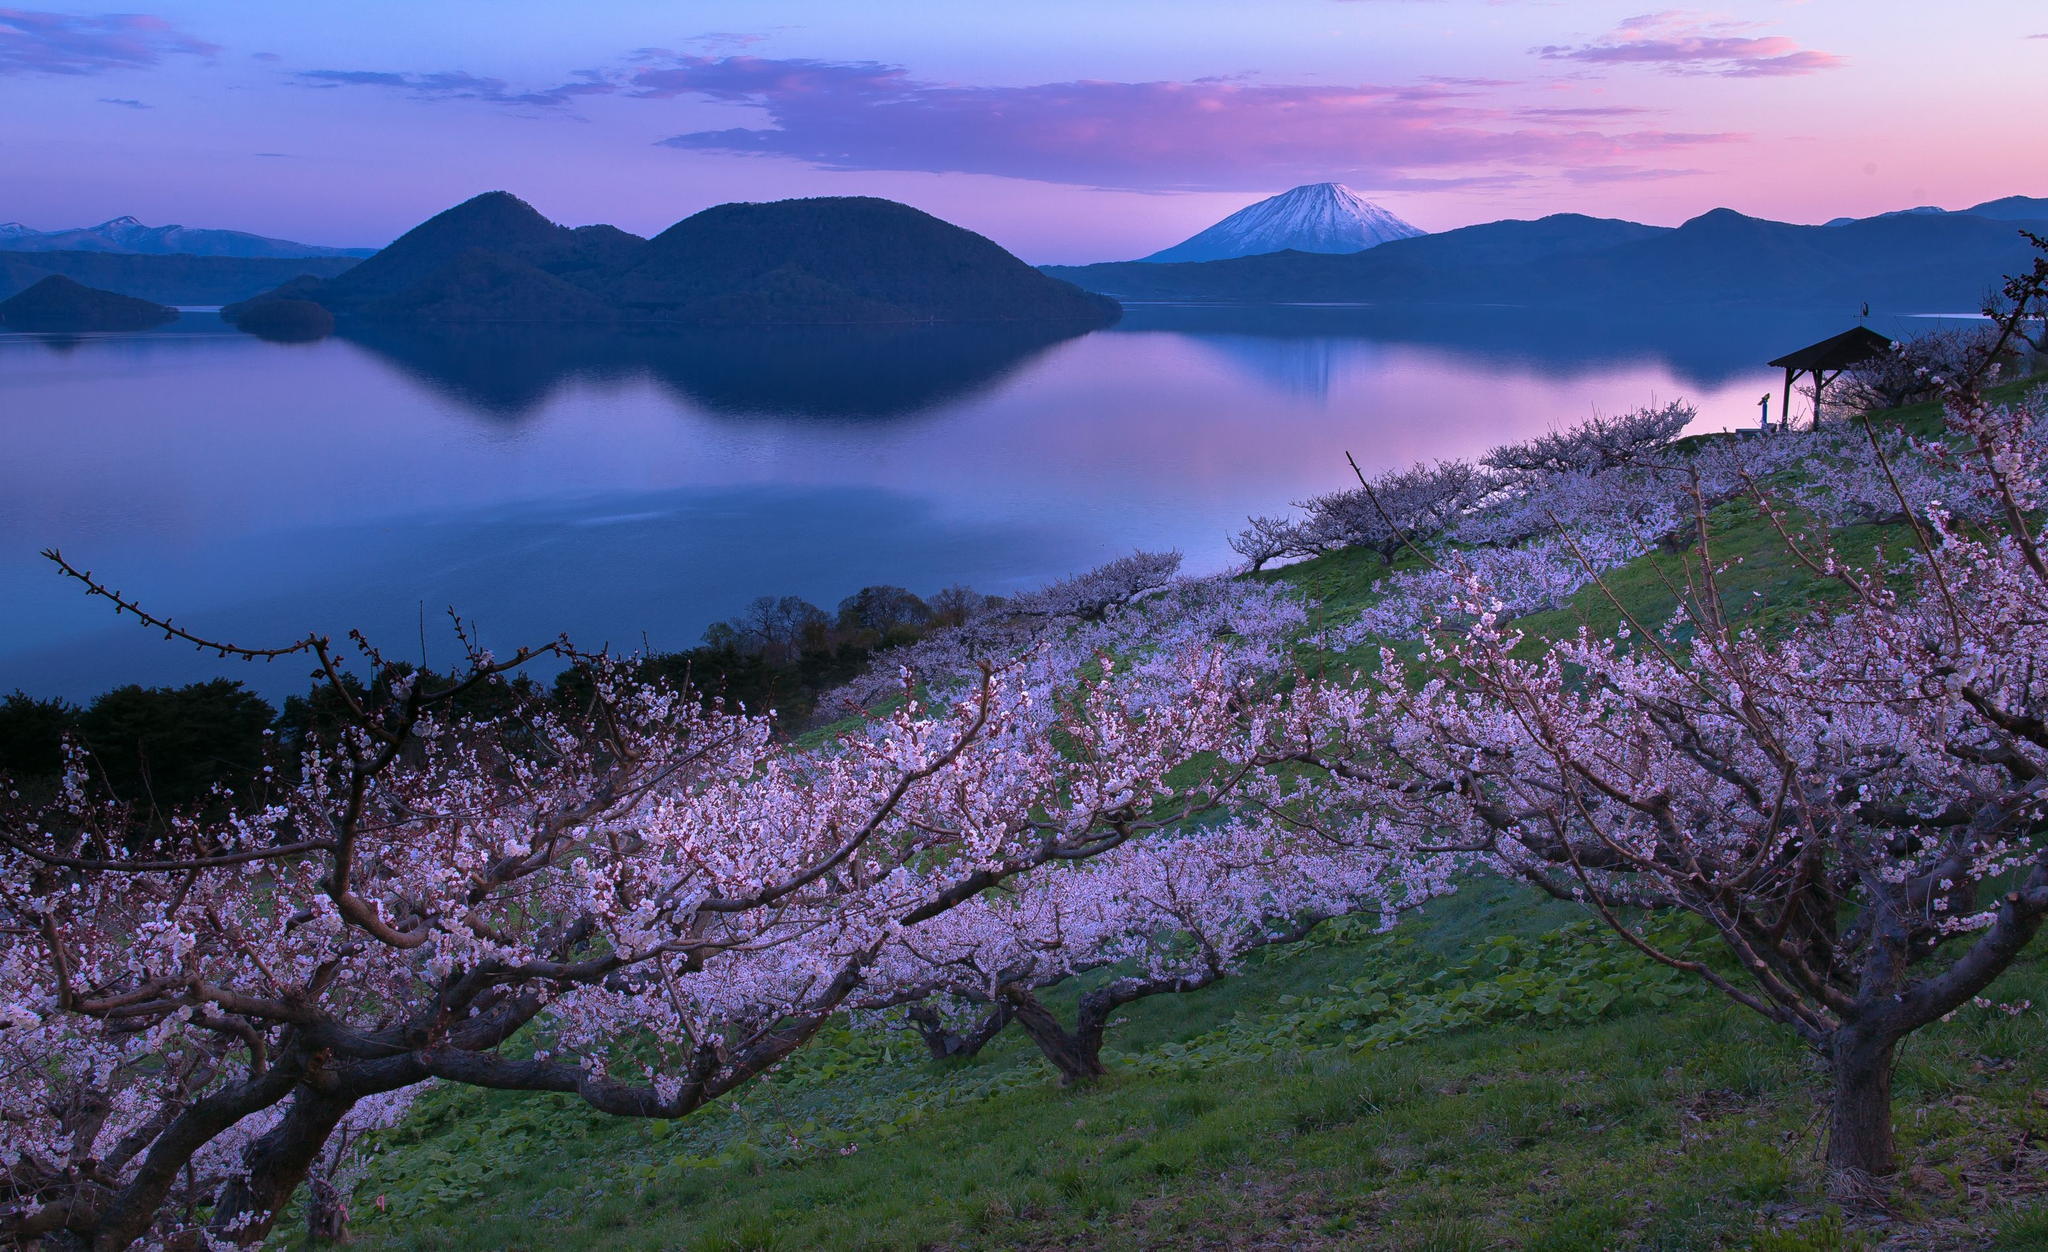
[1848,348]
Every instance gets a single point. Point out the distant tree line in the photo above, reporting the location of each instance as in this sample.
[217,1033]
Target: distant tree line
[170,748]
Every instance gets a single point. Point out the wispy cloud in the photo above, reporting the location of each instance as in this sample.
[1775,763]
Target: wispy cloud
[35,42]
[726,39]
[1582,112]
[1687,43]
[1202,134]
[126,104]
[460,85]
[1624,174]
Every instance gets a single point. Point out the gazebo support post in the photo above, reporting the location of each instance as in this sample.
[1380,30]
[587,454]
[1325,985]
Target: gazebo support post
[1825,361]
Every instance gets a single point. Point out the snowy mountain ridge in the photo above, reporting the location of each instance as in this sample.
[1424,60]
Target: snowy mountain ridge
[1318,217]
[127,235]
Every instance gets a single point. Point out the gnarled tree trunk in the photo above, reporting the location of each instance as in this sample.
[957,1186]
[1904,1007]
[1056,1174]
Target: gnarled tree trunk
[945,1043]
[1861,1151]
[277,1163]
[1077,1054]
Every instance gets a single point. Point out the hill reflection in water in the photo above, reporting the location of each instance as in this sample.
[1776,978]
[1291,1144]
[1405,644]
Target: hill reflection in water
[1301,348]
[843,372]
[615,483]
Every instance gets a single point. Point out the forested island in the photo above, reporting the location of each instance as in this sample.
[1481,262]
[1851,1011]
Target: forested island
[57,303]
[847,260]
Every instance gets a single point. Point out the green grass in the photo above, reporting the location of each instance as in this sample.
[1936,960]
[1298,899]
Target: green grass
[1285,1103]
[1490,1076]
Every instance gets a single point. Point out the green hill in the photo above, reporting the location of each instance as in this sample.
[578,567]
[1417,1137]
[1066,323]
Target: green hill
[1497,1073]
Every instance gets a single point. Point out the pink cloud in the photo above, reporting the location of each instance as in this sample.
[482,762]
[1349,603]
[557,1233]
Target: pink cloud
[1683,43]
[1204,134]
[33,42]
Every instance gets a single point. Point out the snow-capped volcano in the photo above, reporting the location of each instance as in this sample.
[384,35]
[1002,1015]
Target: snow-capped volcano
[1320,217]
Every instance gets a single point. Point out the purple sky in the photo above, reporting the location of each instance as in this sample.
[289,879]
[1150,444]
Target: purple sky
[1068,130]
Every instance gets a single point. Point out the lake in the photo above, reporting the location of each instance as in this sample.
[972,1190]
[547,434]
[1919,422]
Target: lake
[629,488]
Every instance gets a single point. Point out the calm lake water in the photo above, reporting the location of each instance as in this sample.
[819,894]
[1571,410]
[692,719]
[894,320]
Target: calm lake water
[632,488]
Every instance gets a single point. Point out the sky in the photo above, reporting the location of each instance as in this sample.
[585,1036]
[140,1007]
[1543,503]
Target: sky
[1066,130]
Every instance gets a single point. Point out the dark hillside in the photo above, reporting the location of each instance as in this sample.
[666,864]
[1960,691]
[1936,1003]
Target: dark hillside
[172,279]
[1907,263]
[57,303]
[845,261]
[481,286]
[840,259]
[1456,265]
[1902,263]
[497,222]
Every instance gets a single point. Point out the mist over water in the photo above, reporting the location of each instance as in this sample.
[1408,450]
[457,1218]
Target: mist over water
[631,488]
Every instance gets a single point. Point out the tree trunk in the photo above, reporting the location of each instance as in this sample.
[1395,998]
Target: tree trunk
[277,1163]
[944,1043]
[326,1211]
[1077,1057]
[1860,1148]
[128,1217]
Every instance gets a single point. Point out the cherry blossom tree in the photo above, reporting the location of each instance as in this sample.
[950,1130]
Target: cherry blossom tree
[1857,808]
[2020,305]
[1599,443]
[1915,369]
[1517,491]
[184,1030]
[1384,514]
[1135,606]
[1170,914]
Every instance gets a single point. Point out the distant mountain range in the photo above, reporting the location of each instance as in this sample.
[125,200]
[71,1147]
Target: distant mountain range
[826,261]
[2008,209]
[1318,217]
[1913,262]
[175,279]
[493,259]
[126,235]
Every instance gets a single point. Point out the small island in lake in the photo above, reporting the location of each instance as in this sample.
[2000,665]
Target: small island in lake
[286,320]
[58,303]
[835,260]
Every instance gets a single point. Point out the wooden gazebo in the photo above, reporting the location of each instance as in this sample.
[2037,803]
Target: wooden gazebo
[1825,361]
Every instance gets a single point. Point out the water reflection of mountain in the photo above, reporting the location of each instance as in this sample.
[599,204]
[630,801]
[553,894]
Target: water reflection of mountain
[1292,346]
[1302,365]
[857,372]
[189,323]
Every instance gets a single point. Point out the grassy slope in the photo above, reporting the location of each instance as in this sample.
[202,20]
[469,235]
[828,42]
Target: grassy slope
[1369,1091]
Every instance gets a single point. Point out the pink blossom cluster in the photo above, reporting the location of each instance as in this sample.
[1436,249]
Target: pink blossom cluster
[662,872]
[1395,510]
[1136,608]
[1172,913]
[1543,573]
[1855,806]
[1535,546]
